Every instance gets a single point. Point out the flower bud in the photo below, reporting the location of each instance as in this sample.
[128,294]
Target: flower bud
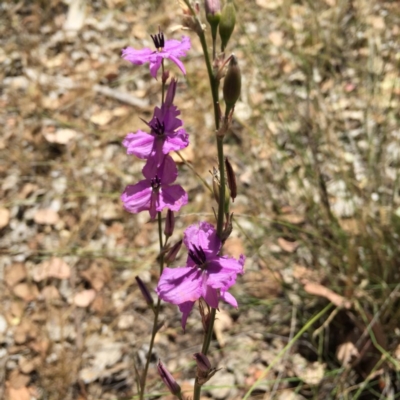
[232,84]
[169,223]
[173,252]
[203,364]
[227,23]
[213,8]
[168,379]
[145,292]
[213,15]
[204,369]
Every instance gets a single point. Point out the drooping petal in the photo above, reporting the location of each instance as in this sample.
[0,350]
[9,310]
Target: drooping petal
[210,295]
[137,57]
[178,141]
[173,197]
[228,298]
[202,235]
[155,64]
[180,285]
[136,198]
[185,309]
[179,63]
[139,144]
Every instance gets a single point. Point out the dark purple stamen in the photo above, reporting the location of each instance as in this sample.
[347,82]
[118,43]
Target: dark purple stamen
[158,127]
[155,182]
[198,255]
[158,40]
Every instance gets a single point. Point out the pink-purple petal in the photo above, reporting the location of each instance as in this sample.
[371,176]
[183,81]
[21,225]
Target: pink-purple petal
[173,197]
[176,47]
[136,198]
[179,285]
[137,57]
[155,64]
[175,142]
[168,171]
[179,63]
[185,309]
[139,144]
[211,297]
[202,235]
[228,298]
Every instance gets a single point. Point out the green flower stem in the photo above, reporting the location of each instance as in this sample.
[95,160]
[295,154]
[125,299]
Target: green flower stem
[156,312]
[214,84]
[157,308]
[153,335]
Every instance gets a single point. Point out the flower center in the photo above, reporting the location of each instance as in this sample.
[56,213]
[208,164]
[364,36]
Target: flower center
[198,256]
[158,41]
[155,183]
[158,127]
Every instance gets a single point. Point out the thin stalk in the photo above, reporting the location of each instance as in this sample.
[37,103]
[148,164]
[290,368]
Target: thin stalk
[214,84]
[157,307]
[156,311]
[153,335]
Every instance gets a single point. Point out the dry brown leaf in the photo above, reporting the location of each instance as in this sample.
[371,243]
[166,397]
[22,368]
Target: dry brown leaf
[16,380]
[61,136]
[53,268]
[97,275]
[322,291]
[26,366]
[102,117]
[50,293]
[25,291]
[276,38]
[310,373]
[291,218]
[46,217]
[4,217]
[346,352]
[27,190]
[18,394]
[269,4]
[287,245]
[84,298]
[15,273]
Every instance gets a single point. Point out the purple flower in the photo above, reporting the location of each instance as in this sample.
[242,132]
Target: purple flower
[205,275]
[165,135]
[155,192]
[171,49]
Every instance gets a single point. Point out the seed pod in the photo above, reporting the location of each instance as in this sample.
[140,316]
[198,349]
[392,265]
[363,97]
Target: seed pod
[232,84]
[227,23]
[230,175]
[169,223]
